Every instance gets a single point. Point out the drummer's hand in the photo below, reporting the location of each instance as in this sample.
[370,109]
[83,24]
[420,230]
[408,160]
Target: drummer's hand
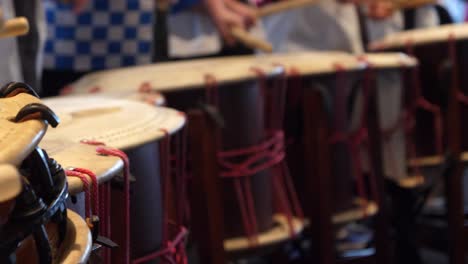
[376,9]
[78,5]
[380,9]
[230,13]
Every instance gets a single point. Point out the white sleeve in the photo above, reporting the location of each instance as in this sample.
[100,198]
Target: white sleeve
[426,17]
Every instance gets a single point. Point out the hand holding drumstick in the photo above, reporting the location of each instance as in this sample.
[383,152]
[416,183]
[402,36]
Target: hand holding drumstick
[13,27]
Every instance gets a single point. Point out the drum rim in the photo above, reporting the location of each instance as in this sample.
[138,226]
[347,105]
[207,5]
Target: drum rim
[274,235]
[76,254]
[221,68]
[74,155]
[389,60]
[157,132]
[402,39]
[26,135]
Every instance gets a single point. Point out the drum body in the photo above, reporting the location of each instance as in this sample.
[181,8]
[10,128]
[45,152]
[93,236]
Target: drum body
[327,85]
[442,54]
[240,105]
[390,74]
[146,198]
[137,129]
[240,102]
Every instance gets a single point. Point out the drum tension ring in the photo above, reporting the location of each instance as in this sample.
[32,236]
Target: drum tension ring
[213,113]
[31,111]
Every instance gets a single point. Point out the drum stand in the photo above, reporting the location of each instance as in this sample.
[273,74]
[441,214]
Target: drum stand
[318,182]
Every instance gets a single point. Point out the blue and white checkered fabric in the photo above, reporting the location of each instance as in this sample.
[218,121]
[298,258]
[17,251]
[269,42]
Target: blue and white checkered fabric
[106,34]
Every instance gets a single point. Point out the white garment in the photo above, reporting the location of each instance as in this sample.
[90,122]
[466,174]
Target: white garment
[326,26]
[456,8]
[425,17]
[10,67]
[192,34]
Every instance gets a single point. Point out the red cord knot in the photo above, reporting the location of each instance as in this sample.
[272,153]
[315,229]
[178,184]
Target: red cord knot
[211,90]
[170,246]
[94,89]
[256,158]
[66,90]
[173,251]
[409,46]
[364,59]
[259,72]
[92,142]
[294,72]
[165,132]
[145,87]
[451,36]
[339,67]
[210,79]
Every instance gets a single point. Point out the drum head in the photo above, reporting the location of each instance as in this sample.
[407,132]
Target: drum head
[118,123]
[171,76]
[418,37]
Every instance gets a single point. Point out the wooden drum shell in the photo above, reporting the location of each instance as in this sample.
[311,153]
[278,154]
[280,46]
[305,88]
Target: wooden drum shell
[342,181]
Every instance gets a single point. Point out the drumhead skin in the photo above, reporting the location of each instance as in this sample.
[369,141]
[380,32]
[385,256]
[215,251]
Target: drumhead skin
[122,124]
[25,135]
[76,155]
[419,37]
[170,76]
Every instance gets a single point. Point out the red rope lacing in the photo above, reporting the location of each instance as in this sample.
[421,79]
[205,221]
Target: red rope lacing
[104,216]
[453,57]
[356,139]
[90,195]
[94,89]
[173,251]
[66,90]
[103,150]
[267,154]
[274,106]
[422,103]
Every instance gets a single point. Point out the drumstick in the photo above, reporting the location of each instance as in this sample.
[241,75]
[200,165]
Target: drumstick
[14,27]
[251,41]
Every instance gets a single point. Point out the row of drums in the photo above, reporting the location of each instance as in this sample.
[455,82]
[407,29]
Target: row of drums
[261,151]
